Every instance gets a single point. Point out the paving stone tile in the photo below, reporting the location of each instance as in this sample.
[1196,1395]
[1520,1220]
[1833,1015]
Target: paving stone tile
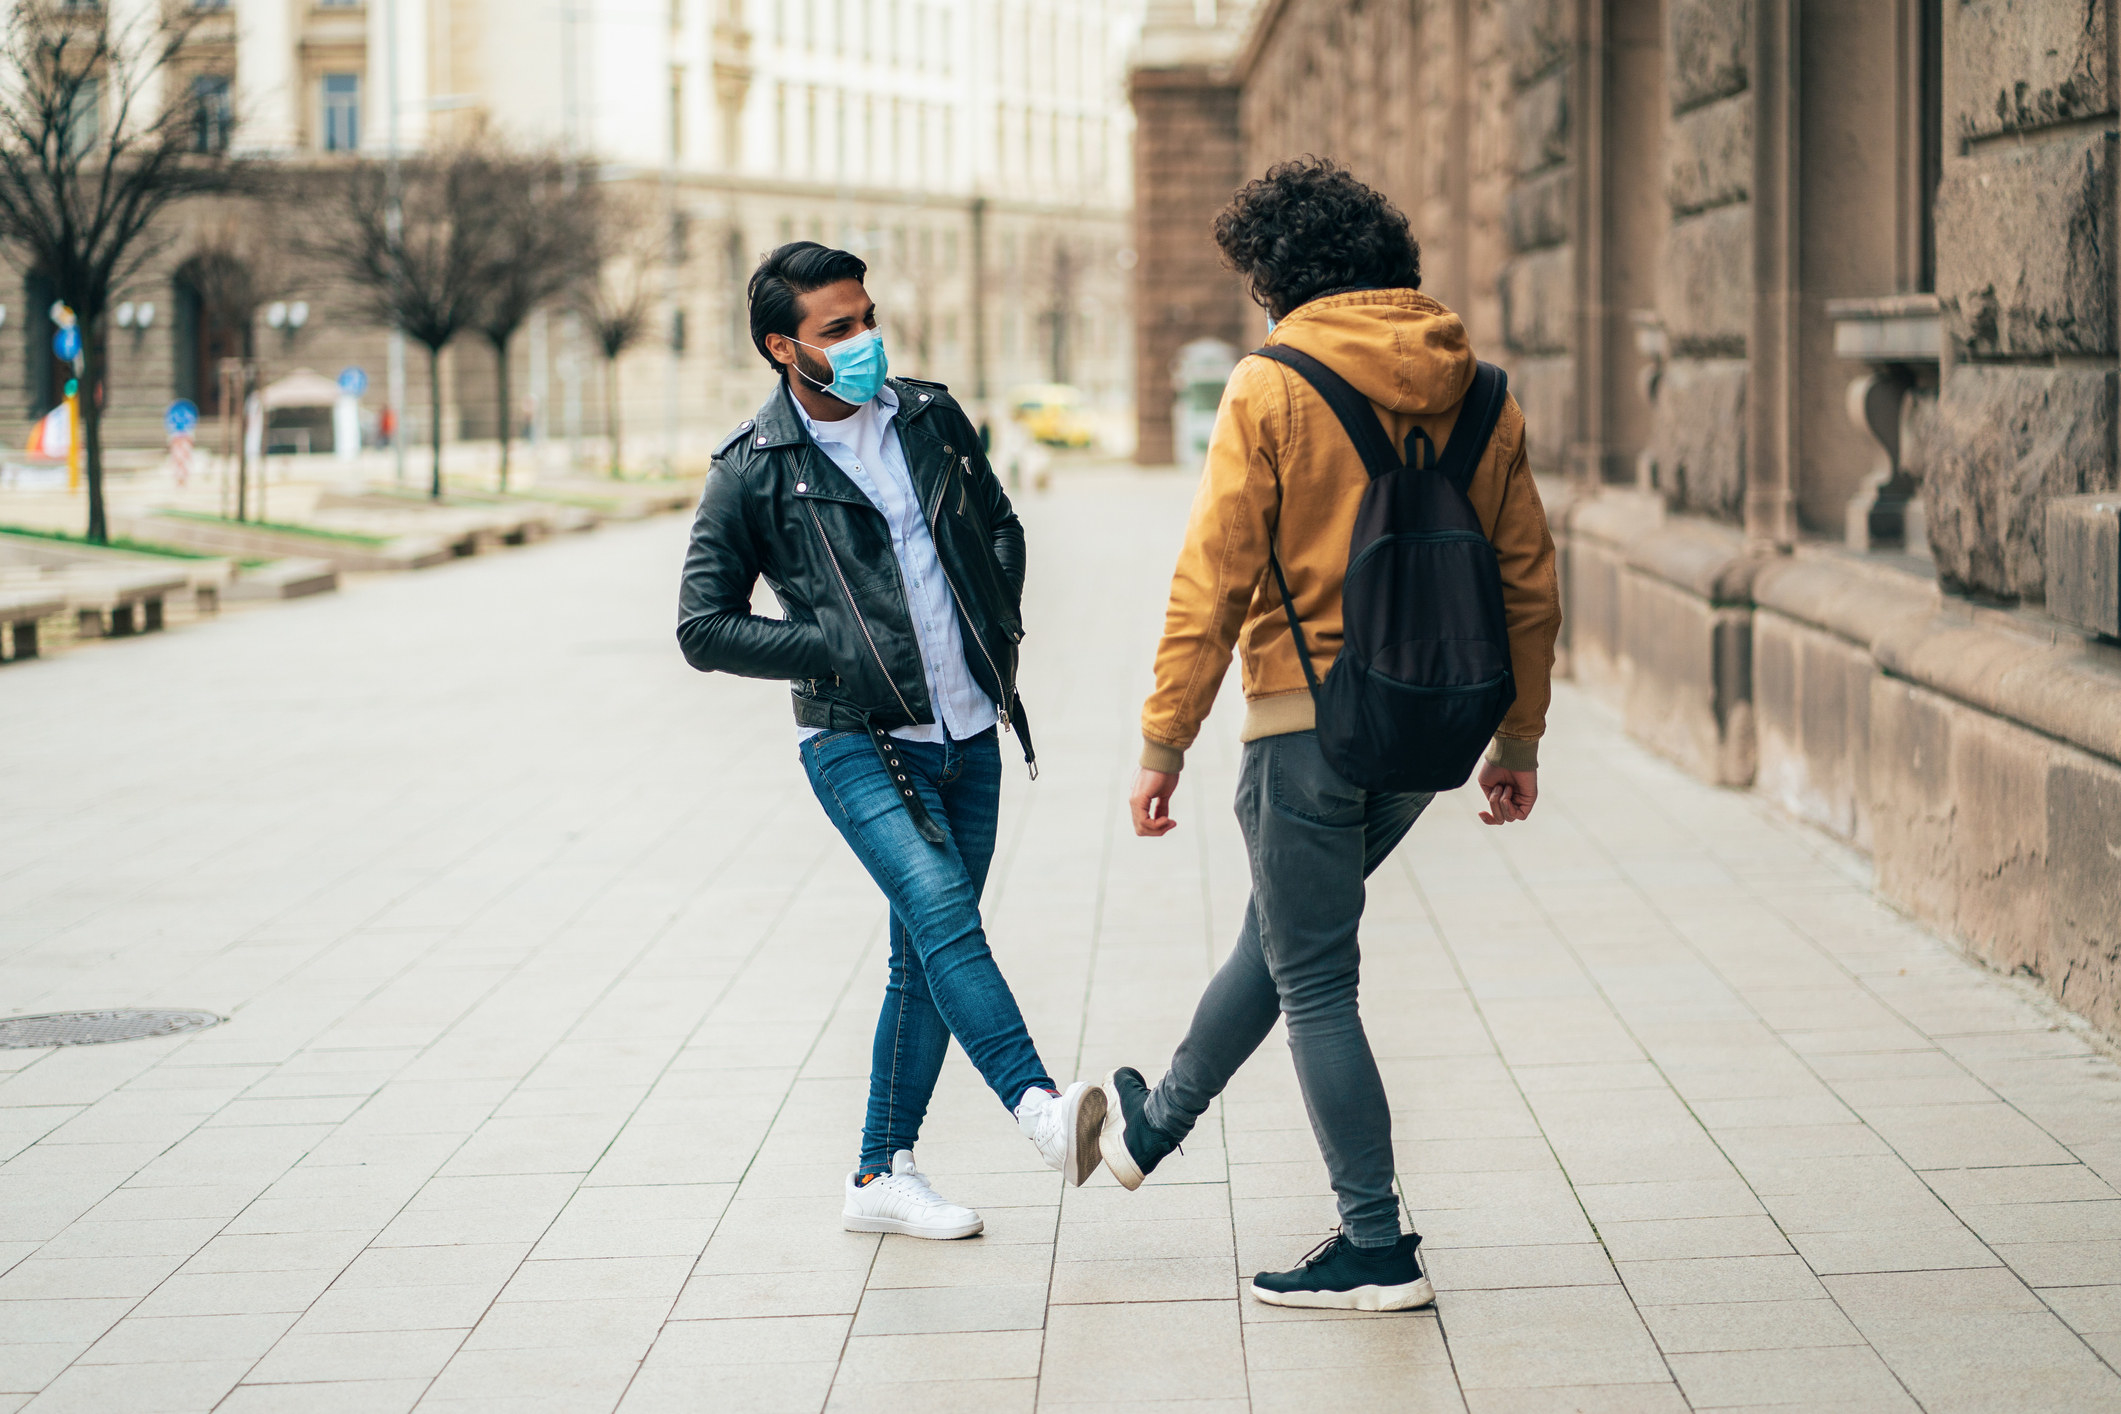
[1893,1250]
[145,1340]
[718,1295]
[1662,1398]
[1488,1268]
[235,1293]
[1394,1339]
[1666,1283]
[1826,1376]
[347,1397]
[1655,1239]
[1749,1325]
[1142,1279]
[366,1355]
[794,1388]
[2063,1263]
[1694,1198]
[983,1355]
[1569,1335]
[922,1310]
[615,1325]
[171,1388]
[567,1378]
[344,1309]
[1158,1349]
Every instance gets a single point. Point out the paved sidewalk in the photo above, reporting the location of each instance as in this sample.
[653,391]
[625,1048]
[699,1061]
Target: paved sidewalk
[551,995]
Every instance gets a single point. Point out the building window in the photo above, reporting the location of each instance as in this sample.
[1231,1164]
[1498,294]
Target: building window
[84,117]
[342,112]
[212,114]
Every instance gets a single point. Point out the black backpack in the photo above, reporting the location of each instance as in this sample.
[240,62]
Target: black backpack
[1423,677]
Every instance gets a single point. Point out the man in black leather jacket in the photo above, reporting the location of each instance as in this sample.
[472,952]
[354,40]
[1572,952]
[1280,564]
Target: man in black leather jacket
[867,505]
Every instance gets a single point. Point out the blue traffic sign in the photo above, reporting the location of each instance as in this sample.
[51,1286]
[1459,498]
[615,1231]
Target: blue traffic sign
[353,380]
[182,418]
[67,342]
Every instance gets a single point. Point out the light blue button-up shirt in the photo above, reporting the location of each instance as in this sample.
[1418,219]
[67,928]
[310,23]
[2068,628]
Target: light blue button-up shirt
[866,447]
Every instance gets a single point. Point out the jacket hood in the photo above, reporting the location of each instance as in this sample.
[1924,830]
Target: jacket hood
[1401,349]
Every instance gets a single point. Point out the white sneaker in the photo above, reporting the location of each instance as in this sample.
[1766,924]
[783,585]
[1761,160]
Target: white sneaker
[902,1202]
[1065,1127]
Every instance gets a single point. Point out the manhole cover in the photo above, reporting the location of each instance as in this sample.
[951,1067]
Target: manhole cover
[93,1028]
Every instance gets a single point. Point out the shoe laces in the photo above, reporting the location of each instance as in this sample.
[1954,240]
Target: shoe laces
[1323,1252]
[914,1184]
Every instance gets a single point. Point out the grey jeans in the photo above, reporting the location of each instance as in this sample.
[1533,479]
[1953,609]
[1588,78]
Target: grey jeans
[1313,838]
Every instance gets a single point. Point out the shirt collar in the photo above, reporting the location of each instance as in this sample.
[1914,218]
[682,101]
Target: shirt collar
[886,399]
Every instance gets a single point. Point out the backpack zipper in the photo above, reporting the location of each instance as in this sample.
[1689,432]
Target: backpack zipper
[848,590]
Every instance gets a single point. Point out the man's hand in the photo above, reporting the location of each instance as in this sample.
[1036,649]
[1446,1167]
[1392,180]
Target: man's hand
[1510,794]
[1151,802]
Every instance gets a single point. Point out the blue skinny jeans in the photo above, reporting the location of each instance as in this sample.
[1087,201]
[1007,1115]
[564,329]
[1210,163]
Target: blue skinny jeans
[943,980]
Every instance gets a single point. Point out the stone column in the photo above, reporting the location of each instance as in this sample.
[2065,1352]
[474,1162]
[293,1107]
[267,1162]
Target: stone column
[1777,194]
[397,65]
[2026,271]
[1539,284]
[1698,432]
[268,87]
[1188,158]
[1617,148]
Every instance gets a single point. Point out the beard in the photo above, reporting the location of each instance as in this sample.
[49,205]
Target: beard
[818,372]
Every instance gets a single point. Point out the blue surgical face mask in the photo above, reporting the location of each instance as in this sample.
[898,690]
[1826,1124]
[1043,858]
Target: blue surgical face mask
[859,367]
[1271,322]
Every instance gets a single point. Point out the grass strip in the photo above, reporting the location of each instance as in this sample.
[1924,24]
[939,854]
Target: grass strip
[116,542]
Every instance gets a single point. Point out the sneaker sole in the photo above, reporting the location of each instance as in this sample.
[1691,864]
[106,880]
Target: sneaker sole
[1360,1298]
[905,1229]
[1114,1141]
[1084,1151]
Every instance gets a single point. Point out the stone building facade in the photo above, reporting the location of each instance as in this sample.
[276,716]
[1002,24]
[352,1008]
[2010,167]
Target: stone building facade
[977,153]
[1811,307]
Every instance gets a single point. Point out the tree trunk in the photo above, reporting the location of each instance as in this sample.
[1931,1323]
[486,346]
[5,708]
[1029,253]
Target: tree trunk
[434,394]
[500,378]
[611,411]
[91,429]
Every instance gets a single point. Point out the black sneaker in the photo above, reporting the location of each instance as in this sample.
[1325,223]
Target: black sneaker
[1133,1147]
[1338,1275]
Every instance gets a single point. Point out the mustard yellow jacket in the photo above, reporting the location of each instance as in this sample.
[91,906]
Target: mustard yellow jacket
[1280,465]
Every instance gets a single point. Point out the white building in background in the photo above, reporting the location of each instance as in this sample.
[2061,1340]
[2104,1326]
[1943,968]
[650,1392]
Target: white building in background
[975,152]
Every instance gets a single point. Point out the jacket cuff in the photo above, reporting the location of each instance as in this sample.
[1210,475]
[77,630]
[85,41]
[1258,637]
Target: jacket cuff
[1158,757]
[1515,753]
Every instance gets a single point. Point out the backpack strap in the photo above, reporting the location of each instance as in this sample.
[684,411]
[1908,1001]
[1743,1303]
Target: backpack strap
[1357,416]
[1477,417]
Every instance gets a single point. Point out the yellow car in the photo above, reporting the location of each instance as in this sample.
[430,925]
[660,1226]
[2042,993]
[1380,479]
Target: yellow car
[1049,412]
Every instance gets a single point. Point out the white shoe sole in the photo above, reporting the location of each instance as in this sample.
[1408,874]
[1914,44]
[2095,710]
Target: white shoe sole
[1361,1298]
[905,1229]
[1114,1140]
[1085,1107]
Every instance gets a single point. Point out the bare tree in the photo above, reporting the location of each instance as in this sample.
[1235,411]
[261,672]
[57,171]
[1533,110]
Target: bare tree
[546,245]
[418,254]
[91,154]
[235,270]
[617,300]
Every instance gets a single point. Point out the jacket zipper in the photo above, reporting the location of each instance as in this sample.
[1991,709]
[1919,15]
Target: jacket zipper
[848,590]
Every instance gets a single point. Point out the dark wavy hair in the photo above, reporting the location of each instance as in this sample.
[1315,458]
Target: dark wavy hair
[784,277]
[1308,228]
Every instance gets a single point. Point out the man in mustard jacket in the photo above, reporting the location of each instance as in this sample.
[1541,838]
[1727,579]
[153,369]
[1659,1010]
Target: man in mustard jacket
[1338,272]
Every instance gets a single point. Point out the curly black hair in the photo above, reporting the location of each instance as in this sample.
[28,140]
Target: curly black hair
[1308,228]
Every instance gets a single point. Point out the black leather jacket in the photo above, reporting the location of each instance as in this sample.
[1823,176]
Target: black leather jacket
[776,507]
